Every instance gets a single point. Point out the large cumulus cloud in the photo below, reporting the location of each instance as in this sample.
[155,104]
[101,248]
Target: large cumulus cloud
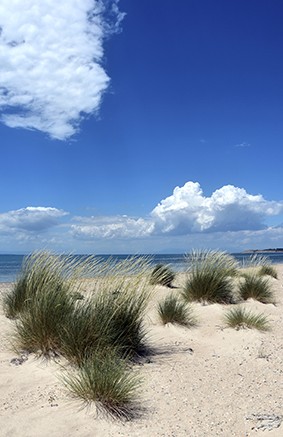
[187,211]
[229,208]
[51,55]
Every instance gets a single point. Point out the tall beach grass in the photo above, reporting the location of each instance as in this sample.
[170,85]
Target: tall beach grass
[96,334]
[269,271]
[253,286]
[173,309]
[49,318]
[163,275]
[44,271]
[210,276]
[92,313]
[107,381]
[240,317]
[110,317]
[259,264]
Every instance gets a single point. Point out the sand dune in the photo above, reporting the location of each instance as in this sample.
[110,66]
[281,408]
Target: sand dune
[204,382]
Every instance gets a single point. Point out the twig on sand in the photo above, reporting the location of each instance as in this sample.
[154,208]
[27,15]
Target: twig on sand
[266,421]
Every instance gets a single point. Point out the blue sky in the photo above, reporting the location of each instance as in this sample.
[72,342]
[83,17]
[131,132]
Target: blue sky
[141,126]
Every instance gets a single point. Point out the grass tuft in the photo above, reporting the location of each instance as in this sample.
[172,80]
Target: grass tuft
[268,270]
[106,320]
[241,318]
[52,318]
[95,330]
[260,265]
[256,287]
[254,261]
[43,271]
[15,300]
[162,275]
[43,299]
[106,380]
[174,310]
[209,279]
[38,328]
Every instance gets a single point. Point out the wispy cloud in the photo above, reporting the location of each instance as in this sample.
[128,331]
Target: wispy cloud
[51,53]
[242,145]
[122,227]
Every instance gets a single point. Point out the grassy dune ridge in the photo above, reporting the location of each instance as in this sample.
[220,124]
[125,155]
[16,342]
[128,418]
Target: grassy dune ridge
[92,313]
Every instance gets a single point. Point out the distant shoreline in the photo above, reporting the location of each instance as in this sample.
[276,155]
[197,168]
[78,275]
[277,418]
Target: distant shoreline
[277,250]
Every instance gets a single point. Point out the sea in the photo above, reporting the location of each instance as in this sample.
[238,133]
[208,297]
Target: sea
[10,265]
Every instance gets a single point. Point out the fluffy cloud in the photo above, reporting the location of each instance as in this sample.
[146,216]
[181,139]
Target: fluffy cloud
[230,208]
[111,227]
[187,211]
[31,219]
[229,218]
[50,62]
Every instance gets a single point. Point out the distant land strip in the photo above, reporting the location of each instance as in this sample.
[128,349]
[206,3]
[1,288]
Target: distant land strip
[277,249]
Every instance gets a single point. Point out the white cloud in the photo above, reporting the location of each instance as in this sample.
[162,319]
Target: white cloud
[230,218]
[186,212]
[230,208]
[243,144]
[50,62]
[111,227]
[30,219]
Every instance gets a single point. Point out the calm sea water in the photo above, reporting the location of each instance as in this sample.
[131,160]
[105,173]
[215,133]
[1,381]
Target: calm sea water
[10,265]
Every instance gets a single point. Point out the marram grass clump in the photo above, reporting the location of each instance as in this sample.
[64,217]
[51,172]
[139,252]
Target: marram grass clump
[38,328]
[15,300]
[174,310]
[43,300]
[255,261]
[96,329]
[253,286]
[107,319]
[210,276]
[241,318]
[51,320]
[81,333]
[121,301]
[43,271]
[107,381]
[162,275]
[260,265]
[269,271]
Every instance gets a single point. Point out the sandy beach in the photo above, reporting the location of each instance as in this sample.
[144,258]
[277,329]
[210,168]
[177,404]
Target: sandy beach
[204,382]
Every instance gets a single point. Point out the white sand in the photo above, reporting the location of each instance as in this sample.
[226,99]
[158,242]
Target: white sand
[203,382]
